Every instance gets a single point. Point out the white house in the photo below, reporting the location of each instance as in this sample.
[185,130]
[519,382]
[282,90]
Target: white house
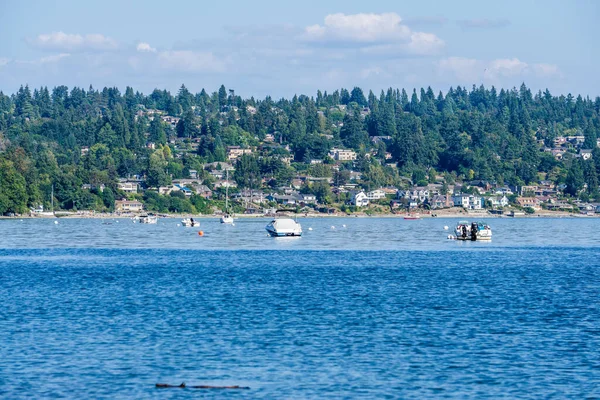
[468,201]
[128,187]
[498,201]
[376,194]
[416,194]
[585,154]
[504,191]
[359,199]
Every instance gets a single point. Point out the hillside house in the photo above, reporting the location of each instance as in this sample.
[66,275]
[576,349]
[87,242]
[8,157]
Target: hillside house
[235,152]
[585,154]
[128,187]
[359,199]
[376,194]
[342,154]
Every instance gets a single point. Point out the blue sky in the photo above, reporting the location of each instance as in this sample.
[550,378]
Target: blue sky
[282,48]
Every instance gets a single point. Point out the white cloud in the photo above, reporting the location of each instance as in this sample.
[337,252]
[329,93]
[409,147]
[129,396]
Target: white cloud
[360,27]
[505,67]
[546,70]
[190,61]
[73,42]
[144,47]
[425,43]
[54,58]
[374,33]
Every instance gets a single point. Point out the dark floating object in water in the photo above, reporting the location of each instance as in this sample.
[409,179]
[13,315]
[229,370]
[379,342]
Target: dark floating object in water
[183,386]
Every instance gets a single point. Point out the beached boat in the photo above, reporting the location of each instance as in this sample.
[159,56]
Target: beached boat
[189,222]
[148,219]
[473,231]
[284,227]
[412,216]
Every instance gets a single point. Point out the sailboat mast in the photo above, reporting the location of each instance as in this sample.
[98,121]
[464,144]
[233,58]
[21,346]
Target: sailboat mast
[52,199]
[226,190]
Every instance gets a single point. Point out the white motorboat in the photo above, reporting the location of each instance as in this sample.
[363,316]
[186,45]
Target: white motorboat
[473,231]
[148,219]
[284,227]
[189,222]
[227,218]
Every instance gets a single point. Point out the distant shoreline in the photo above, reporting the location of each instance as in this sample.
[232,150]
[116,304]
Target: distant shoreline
[440,215]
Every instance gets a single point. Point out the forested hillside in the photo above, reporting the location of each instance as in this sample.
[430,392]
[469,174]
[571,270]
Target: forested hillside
[77,140]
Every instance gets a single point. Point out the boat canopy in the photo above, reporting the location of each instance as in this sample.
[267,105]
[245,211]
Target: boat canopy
[284,223]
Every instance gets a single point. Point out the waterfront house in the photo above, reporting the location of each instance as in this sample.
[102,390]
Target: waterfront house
[307,198]
[440,201]
[359,199]
[128,206]
[528,202]
[468,201]
[418,194]
[285,199]
[498,201]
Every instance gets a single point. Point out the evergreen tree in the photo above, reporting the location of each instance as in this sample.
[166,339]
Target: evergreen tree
[575,179]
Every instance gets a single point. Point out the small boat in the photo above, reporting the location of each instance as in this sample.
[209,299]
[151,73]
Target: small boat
[189,222]
[226,219]
[412,216]
[284,227]
[473,231]
[148,219]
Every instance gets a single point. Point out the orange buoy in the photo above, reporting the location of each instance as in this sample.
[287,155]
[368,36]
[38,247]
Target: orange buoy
[200,233]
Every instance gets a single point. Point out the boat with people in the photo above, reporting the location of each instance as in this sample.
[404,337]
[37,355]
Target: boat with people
[473,231]
[148,219]
[189,222]
[280,227]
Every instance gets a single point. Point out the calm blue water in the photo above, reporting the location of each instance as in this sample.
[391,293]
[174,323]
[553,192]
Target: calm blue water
[383,308]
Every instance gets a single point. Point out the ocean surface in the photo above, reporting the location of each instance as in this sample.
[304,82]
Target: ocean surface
[356,308]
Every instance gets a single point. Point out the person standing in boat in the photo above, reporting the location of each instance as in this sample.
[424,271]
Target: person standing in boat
[474,231]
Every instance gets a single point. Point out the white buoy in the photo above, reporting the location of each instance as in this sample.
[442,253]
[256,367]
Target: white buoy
[310,229]
[332,227]
[55,222]
[343,226]
[232,224]
[178,225]
[446,227]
